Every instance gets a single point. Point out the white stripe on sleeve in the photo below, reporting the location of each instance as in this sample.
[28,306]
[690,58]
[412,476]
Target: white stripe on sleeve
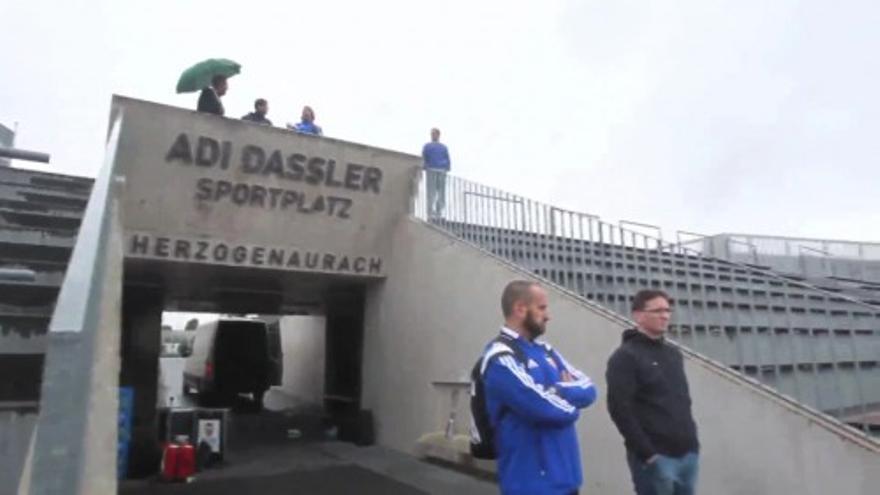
[510,363]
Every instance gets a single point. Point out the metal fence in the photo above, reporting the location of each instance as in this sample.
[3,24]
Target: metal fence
[808,257]
[818,347]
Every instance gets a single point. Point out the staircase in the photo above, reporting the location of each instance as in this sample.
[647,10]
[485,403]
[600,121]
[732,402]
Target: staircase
[39,218]
[820,347]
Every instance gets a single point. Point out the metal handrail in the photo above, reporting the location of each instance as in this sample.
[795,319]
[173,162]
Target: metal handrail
[801,247]
[673,247]
[795,241]
[656,228]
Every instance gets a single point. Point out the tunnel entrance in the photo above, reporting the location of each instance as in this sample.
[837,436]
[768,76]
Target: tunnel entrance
[277,356]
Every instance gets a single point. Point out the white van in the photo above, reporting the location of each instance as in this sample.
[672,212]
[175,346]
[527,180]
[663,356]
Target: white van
[232,356]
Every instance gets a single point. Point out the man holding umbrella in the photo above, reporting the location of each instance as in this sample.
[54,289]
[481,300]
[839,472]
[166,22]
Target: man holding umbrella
[211,78]
[209,100]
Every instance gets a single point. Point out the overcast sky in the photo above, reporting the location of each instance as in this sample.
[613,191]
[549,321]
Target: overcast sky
[705,115]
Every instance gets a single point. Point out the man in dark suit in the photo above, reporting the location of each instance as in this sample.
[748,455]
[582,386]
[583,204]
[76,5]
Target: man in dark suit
[209,100]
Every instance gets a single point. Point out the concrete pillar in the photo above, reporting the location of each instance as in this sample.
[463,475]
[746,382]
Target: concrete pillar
[344,349]
[140,347]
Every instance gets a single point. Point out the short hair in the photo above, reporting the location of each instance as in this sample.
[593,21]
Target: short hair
[434,129]
[258,102]
[219,78]
[640,300]
[514,292]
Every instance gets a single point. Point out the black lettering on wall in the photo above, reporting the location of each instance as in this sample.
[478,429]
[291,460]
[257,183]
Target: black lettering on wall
[329,261]
[315,169]
[354,176]
[239,255]
[240,194]
[258,194]
[331,172]
[312,260]
[203,189]
[222,189]
[296,166]
[181,249]
[221,251]
[200,254]
[275,165]
[207,151]
[344,265]
[360,265]
[373,180]
[375,266]
[289,198]
[276,257]
[252,159]
[293,261]
[161,248]
[180,150]
[344,207]
[318,205]
[274,192]
[140,244]
[257,256]
[226,155]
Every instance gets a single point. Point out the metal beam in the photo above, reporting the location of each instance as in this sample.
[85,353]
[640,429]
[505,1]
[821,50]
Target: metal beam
[19,154]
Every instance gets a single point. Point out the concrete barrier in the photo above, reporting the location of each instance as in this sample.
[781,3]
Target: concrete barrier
[441,303]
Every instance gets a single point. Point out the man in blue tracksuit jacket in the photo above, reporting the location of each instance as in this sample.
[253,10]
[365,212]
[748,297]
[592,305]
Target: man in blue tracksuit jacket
[533,406]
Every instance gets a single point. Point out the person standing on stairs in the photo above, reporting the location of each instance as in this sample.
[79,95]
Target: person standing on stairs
[649,402]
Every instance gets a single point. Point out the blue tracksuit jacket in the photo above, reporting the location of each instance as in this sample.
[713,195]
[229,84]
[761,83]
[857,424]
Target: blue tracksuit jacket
[533,414]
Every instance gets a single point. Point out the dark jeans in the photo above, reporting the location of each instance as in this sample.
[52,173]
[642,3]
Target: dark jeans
[436,187]
[666,475]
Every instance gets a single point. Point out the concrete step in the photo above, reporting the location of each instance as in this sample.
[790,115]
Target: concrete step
[38,237]
[60,219]
[23,326]
[48,181]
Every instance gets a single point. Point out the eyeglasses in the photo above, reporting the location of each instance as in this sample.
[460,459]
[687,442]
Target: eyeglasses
[658,311]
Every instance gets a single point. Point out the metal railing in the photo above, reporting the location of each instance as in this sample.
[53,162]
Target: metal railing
[79,376]
[819,347]
[845,259]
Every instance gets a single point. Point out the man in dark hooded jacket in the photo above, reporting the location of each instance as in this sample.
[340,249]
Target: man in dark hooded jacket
[258,116]
[649,401]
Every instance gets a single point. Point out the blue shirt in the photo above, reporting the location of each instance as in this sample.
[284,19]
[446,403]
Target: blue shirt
[308,128]
[436,156]
[533,413]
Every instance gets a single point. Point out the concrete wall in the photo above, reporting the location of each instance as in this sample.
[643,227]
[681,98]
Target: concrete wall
[101,432]
[440,304]
[193,177]
[75,441]
[303,340]
[16,428]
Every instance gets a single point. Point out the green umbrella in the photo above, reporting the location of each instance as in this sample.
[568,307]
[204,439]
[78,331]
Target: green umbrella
[199,76]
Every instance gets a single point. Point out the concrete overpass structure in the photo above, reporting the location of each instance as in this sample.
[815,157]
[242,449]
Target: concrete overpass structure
[198,213]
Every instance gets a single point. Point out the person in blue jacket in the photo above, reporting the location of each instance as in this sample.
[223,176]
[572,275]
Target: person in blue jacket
[437,164]
[533,405]
[307,125]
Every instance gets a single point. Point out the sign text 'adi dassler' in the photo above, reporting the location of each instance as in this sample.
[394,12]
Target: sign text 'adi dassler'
[298,169]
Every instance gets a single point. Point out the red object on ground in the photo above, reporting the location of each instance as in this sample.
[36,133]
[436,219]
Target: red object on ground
[186,461]
[170,460]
